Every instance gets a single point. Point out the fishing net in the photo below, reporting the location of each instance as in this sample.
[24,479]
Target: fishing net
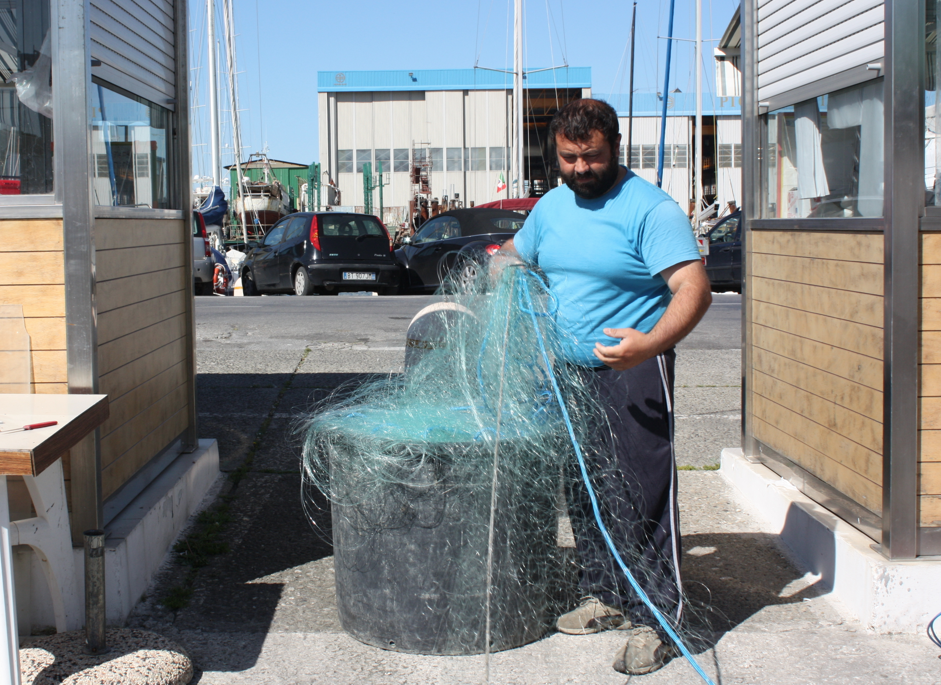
[447,484]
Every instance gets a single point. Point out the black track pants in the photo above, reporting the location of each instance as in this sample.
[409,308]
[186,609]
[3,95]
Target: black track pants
[629,453]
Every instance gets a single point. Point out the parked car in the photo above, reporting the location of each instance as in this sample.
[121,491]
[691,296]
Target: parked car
[428,257]
[724,263]
[203,266]
[322,252]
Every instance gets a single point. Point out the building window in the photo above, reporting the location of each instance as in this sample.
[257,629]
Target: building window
[383,157]
[476,158]
[635,156]
[26,166]
[648,156]
[362,157]
[344,161]
[400,161]
[133,142]
[828,156]
[737,155]
[454,159]
[437,158]
[498,158]
[622,159]
[680,156]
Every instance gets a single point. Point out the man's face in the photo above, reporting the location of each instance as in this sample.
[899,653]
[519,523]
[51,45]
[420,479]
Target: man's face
[589,167]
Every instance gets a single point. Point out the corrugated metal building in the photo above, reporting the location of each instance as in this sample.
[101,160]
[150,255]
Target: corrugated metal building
[461,121]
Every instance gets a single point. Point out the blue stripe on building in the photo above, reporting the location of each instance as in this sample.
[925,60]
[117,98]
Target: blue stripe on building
[448,79]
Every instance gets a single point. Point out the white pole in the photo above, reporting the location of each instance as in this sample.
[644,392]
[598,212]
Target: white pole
[518,91]
[214,150]
[698,209]
[234,103]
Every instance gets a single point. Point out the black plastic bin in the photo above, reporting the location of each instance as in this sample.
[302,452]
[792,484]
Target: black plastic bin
[411,557]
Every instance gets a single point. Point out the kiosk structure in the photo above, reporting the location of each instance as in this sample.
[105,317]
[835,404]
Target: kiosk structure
[841,311]
[96,245]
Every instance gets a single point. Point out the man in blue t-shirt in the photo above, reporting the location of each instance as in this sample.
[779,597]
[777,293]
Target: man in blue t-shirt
[623,264]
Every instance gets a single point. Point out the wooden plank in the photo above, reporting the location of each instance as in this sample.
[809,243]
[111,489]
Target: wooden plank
[929,314]
[866,340]
[853,456]
[138,260]
[849,247]
[117,323]
[119,471]
[929,478]
[930,350]
[124,350]
[46,334]
[37,300]
[930,248]
[111,234]
[142,397]
[930,280]
[35,268]
[930,415]
[848,365]
[31,235]
[851,484]
[827,273]
[929,511]
[853,396]
[124,379]
[50,366]
[50,388]
[121,292]
[929,445]
[929,380]
[124,437]
[839,304]
[850,425]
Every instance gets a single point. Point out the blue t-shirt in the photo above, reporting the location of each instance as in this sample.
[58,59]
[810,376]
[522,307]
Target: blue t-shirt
[603,259]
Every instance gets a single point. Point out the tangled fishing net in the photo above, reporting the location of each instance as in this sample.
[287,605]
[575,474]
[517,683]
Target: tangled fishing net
[446,484]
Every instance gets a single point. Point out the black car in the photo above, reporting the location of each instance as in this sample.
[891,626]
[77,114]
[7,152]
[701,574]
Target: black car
[724,263]
[322,252]
[428,257]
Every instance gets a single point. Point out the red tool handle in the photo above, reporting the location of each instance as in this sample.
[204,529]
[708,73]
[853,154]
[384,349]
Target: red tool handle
[39,425]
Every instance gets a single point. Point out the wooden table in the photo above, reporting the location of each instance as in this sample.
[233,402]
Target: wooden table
[29,453]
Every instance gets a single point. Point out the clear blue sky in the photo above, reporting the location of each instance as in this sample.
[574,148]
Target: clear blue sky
[287,42]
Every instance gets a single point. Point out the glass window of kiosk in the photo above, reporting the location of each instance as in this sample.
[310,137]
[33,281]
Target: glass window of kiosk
[824,156]
[26,147]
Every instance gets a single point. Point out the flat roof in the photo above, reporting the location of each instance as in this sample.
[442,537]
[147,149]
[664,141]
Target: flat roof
[448,79]
[678,104]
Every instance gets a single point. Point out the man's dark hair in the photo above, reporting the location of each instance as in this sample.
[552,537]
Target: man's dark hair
[579,118]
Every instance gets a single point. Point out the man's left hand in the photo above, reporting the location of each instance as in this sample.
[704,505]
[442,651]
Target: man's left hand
[634,348]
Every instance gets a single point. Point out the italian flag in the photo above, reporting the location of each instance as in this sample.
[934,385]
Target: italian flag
[501,184]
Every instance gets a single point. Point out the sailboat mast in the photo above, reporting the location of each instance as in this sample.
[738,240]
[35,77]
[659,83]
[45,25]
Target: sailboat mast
[698,209]
[518,92]
[630,95]
[214,149]
[233,103]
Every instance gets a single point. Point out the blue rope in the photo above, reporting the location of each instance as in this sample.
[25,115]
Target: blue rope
[594,500]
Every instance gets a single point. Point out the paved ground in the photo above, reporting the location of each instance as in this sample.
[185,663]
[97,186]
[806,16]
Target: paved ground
[262,610]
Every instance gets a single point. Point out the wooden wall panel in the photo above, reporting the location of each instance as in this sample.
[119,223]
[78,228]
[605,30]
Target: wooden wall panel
[815,387]
[32,274]
[929,387]
[142,346]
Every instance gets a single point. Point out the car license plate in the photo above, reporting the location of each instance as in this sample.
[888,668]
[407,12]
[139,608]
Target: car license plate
[358,276]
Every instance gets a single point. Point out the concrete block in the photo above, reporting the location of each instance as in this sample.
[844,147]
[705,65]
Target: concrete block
[886,596]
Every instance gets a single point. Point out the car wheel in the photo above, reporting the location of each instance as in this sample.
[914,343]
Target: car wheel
[302,284]
[249,289]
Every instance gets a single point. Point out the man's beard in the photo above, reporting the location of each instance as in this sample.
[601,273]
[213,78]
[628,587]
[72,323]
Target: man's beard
[592,185]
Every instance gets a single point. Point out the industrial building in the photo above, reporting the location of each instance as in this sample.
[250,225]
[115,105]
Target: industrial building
[447,134]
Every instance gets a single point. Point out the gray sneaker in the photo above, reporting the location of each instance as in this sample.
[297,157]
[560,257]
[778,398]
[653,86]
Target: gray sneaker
[643,653]
[591,616]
